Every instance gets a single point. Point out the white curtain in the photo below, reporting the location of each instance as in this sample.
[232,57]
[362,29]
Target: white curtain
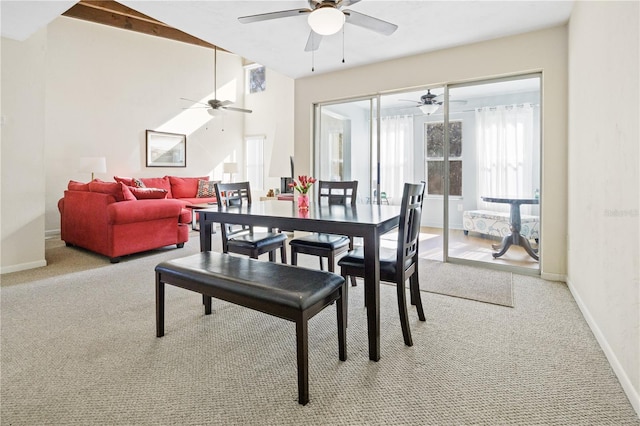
[505,143]
[396,155]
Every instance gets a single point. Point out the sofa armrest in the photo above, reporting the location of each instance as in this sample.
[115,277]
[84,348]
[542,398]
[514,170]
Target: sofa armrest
[143,210]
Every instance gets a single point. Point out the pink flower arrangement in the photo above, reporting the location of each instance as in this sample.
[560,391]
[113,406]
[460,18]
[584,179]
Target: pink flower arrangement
[303,184]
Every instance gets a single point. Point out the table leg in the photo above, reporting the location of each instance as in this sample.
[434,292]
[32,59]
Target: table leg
[514,239]
[372,293]
[205,233]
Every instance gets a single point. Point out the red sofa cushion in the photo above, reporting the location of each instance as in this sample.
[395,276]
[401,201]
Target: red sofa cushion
[185,187]
[126,180]
[119,190]
[77,186]
[162,183]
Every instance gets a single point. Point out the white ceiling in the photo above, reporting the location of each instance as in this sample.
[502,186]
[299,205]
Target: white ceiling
[423,26]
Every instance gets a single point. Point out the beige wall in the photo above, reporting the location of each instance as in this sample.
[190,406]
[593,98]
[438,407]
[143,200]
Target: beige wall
[106,86]
[79,89]
[23,135]
[273,117]
[539,51]
[604,180]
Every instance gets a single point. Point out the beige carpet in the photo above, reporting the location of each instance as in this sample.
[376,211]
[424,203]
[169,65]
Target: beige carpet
[467,282]
[78,347]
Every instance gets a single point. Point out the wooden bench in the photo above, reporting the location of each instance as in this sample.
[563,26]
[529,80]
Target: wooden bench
[285,291]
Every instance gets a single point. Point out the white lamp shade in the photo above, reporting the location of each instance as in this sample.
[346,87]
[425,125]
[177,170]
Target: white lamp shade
[429,108]
[93,164]
[230,168]
[326,20]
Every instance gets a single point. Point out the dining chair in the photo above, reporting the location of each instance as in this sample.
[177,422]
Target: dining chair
[242,239]
[398,265]
[328,245]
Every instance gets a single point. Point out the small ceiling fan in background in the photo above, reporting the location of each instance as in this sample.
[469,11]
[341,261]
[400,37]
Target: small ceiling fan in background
[429,103]
[326,17]
[215,105]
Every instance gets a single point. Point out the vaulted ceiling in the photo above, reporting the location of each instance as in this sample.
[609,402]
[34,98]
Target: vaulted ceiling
[423,26]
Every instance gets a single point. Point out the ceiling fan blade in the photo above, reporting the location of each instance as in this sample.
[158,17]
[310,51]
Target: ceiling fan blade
[410,100]
[347,3]
[224,103]
[272,15]
[369,22]
[313,42]
[237,109]
[440,100]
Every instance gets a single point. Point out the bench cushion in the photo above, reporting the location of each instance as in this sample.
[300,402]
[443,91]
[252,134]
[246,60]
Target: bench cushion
[497,223]
[275,283]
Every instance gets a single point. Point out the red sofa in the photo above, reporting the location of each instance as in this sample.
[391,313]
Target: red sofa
[114,220]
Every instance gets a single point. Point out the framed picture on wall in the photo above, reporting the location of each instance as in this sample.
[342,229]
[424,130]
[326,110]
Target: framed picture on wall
[166,149]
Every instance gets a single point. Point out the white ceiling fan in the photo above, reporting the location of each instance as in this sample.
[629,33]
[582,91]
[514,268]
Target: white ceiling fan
[214,106]
[326,17]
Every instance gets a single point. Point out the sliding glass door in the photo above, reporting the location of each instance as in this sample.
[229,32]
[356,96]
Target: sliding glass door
[493,172]
[344,146]
[477,147]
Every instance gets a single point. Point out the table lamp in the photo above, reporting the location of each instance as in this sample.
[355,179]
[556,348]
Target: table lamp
[230,168]
[93,165]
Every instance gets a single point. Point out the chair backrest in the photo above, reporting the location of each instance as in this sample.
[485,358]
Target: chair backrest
[343,192]
[233,194]
[409,228]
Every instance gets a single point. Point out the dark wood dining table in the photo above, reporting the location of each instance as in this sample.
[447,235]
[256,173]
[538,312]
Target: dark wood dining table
[362,220]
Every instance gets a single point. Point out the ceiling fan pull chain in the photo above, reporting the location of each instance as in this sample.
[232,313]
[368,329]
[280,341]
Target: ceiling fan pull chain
[343,43]
[313,68]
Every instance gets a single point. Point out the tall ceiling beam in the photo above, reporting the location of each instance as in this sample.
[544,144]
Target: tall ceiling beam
[114,14]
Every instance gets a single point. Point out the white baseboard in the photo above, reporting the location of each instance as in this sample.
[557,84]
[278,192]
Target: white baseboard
[23,266]
[53,233]
[553,277]
[627,386]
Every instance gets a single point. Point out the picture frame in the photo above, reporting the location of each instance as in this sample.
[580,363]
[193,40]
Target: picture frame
[257,79]
[166,149]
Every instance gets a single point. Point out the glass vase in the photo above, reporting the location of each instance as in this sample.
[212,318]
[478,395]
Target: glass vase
[303,202]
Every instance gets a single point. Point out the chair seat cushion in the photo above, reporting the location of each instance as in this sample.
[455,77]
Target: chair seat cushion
[325,241]
[258,240]
[355,259]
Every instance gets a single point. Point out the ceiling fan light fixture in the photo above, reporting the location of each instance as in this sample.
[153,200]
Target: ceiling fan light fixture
[214,112]
[429,109]
[326,20]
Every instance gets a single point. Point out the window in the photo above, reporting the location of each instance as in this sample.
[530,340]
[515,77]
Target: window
[434,137]
[255,161]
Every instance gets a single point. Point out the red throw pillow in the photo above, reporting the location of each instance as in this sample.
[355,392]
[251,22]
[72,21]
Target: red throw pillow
[126,180]
[162,183]
[185,187]
[113,188]
[77,186]
[148,193]
[128,195]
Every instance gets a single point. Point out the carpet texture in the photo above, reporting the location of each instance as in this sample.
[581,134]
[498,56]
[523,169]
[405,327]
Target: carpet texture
[79,348]
[467,282]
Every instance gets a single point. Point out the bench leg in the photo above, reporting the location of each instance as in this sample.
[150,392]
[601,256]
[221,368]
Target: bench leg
[302,332]
[159,306]
[207,304]
[341,309]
